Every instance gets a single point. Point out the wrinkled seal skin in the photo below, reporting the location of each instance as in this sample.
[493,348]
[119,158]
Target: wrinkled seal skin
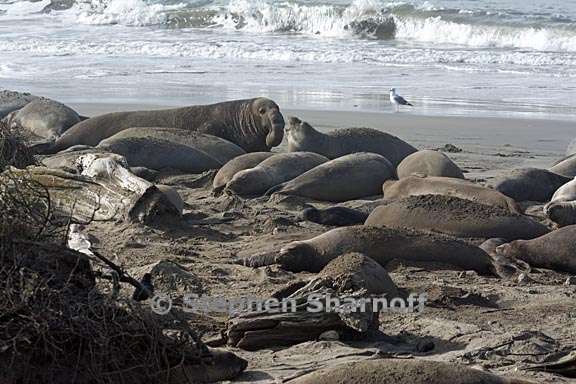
[396,371]
[237,164]
[336,216]
[529,184]
[275,170]
[429,163]
[254,124]
[566,166]
[303,137]
[455,217]
[562,208]
[379,243]
[556,250]
[447,186]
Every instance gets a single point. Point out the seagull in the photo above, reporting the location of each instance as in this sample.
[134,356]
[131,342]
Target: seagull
[397,100]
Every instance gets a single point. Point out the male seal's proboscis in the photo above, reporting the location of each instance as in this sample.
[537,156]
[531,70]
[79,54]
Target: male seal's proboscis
[254,124]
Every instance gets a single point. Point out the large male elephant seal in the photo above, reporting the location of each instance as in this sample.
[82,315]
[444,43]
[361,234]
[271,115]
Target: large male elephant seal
[380,244]
[219,149]
[555,250]
[447,186]
[254,124]
[428,163]
[158,154]
[529,184]
[402,371]
[43,118]
[562,208]
[454,216]
[565,167]
[271,172]
[302,137]
[237,164]
[346,178]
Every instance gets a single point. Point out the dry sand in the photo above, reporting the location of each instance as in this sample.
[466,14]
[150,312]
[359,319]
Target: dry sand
[470,319]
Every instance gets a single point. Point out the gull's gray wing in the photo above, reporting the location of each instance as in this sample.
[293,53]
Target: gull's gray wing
[400,100]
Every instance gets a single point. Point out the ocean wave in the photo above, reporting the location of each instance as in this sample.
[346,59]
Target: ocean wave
[368,19]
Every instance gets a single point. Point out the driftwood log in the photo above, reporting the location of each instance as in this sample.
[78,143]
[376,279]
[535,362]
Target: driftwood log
[105,190]
[350,276]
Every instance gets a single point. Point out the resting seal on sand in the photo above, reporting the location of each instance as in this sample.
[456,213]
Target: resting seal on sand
[345,178]
[447,186]
[158,154]
[529,184]
[379,243]
[555,250]
[562,208]
[237,164]
[337,216]
[254,125]
[271,172]
[302,137]
[43,118]
[402,372]
[457,217]
[566,166]
[428,163]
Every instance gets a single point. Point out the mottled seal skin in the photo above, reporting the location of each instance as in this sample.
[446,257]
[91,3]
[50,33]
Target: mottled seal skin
[12,101]
[254,124]
[380,244]
[219,149]
[303,137]
[44,118]
[562,208]
[555,250]
[335,216]
[157,154]
[428,163]
[565,167]
[456,217]
[345,178]
[396,371]
[271,172]
[447,186]
[237,164]
[529,184]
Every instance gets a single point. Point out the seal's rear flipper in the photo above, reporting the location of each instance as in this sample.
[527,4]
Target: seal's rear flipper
[507,267]
[274,189]
[260,260]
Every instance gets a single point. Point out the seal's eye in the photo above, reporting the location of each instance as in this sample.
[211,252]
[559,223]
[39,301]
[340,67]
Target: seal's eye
[262,111]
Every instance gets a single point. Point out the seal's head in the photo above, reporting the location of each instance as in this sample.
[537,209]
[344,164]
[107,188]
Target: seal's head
[300,135]
[300,256]
[267,115]
[311,214]
[560,212]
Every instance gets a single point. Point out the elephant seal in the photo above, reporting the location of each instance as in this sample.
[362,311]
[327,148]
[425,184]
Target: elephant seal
[302,137]
[219,149]
[336,216]
[381,244]
[12,101]
[157,154]
[346,178]
[562,208]
[237,164]
[428,163]
[447,186]
[402,371]
[490,245]
[254,124]
[555,250]
[43,118]
[565,167]
[275,170]
[529,184]
[456,217]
